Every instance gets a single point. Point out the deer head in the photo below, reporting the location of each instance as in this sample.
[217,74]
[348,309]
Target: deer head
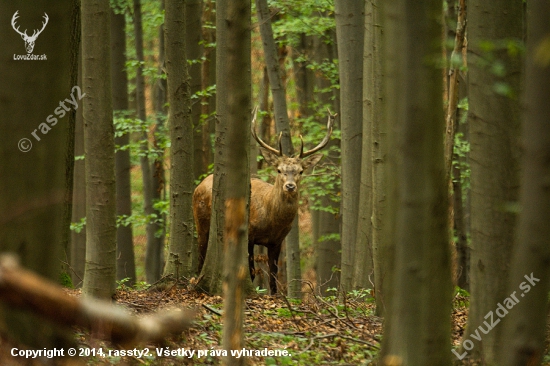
[29,40]
[290,168]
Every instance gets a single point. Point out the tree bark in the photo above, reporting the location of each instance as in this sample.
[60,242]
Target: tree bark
[181,135]
[372,108]
[159,179]
[194,50]
[421,306]
[153,247]
[327,247]
[99,144]
[234,107]
[35,185]
[78,240]
[494,121]
[523,337]
[350,31]
[292,241]
[126,266]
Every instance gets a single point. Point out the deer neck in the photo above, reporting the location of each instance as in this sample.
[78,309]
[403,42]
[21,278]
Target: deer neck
[282,202]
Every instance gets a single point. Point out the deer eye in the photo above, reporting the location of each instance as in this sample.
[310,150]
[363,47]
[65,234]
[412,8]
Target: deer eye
[301,172]
[279,171]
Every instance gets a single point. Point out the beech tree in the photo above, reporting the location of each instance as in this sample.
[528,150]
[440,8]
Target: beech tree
[494,120]
[292,248]
[153,254]
[234,110]
[126,266]
[99,145]
[350,32]
[37,171]
[524,328]
[181,136]
[422,291]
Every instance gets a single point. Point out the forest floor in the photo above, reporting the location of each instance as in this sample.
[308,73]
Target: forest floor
[278,331]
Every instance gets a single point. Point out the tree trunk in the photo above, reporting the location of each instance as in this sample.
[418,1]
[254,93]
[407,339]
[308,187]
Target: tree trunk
[208,79]
[234,111]
[78,240]
[383,163]
[372,113]
[494,121]
[524,330]
[126,266]
[194,50]
[159,178]
[327,247]
[211,273]
[35,185]
[350,31]
[181,135]
[99,144]
[421,306]
[385,193]
[153,248]
[292,247]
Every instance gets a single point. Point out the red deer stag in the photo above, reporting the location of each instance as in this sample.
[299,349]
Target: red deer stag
[272,207]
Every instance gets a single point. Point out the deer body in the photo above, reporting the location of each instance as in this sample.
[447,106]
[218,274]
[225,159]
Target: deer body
[273,207]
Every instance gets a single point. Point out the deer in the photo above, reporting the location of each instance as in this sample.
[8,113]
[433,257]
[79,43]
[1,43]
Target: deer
[273,207]
[29,40]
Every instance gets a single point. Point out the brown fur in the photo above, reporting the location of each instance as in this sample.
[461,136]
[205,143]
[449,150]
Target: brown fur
[272,210]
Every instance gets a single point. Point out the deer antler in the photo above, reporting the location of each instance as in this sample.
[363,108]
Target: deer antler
[13,19]
[324,142]
[259,140]
[36,33]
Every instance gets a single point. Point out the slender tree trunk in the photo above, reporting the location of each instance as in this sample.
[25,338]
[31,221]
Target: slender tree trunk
[327,248]
[159,178]
[208,79]
[278,92]
[372,108]
[194,50]
[494,121]
[78,240]
[181,135]
[525,327]
[154,248]
[211,274]
[421,306]
[35,178]
[385,193]
[234,110]
[350,31]
[126,266]
[100,273]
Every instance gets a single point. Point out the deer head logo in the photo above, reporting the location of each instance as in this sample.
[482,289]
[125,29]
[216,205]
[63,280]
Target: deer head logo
[29,40]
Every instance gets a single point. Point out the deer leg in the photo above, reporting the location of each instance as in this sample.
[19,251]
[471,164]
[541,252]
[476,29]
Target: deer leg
[203,245]
[273,256]
[251,266]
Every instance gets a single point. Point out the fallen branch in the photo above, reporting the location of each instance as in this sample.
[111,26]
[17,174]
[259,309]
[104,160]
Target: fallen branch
[24,289]
[213,310]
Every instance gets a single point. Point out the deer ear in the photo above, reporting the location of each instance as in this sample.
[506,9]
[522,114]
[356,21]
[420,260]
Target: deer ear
[311,161]
[271,158]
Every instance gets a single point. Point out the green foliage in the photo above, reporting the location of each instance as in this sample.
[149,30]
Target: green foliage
[296,17]
[65,280]
[139,286]
[260,291]
[492,58]
[78,226]
[126,124]
[461,298]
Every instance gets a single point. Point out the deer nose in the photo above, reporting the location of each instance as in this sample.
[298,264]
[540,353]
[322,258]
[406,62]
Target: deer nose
[290,187]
